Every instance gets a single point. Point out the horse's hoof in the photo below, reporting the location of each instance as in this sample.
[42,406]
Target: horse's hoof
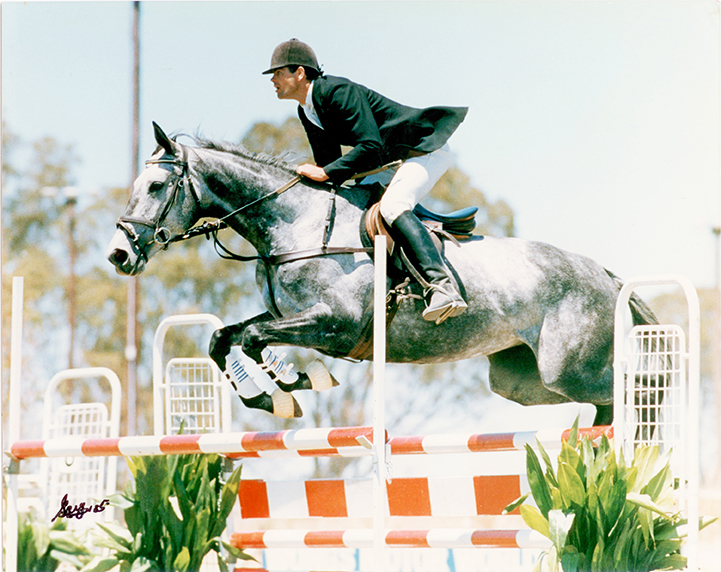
[261,401]
[303,382]
[285,405]
[320,378]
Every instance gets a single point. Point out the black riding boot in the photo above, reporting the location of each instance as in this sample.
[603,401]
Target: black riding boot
[413,237]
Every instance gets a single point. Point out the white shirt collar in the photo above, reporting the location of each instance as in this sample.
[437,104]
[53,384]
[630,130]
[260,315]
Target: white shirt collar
[308,108]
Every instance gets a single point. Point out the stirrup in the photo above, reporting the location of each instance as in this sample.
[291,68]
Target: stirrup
[440,310]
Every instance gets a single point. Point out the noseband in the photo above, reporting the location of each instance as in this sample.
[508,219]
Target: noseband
[161,234]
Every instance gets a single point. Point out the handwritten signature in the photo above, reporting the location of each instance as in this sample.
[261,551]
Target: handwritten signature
[79,511]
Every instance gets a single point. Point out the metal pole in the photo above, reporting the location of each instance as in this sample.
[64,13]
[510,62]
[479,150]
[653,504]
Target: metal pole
[379,429]
[131,347]
[11,534]
[716,341]
[72,290]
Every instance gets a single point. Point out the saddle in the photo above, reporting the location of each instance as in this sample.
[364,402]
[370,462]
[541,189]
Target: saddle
[456,226]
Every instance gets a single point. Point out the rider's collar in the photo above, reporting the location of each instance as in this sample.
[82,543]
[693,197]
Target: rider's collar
[309,109]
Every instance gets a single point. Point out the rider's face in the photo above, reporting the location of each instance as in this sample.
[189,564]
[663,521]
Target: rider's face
[288,85]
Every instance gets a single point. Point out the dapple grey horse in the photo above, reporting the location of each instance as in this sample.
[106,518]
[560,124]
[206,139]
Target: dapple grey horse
[543,316]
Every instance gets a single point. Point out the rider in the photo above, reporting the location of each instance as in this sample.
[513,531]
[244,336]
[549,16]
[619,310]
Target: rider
[336,111]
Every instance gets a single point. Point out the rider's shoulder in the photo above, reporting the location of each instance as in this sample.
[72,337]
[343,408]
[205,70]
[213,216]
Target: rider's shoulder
[331,83]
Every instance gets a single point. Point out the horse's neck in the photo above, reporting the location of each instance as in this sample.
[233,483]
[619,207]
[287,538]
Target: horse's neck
[276,224]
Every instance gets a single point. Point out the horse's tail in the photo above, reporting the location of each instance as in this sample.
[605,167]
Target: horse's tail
[649,399]
[641,314]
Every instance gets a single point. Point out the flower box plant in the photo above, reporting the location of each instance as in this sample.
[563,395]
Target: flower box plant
[600,514]
[174,515]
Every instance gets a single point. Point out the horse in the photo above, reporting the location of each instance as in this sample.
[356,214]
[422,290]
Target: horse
[543,316]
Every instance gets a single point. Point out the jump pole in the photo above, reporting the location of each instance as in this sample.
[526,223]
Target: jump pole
[379,428]
[11,534]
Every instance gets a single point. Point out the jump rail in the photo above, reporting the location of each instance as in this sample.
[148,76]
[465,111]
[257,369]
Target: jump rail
[340,441]
[363,538]
[301,440]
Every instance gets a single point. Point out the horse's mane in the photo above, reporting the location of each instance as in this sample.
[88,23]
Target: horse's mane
[240,151]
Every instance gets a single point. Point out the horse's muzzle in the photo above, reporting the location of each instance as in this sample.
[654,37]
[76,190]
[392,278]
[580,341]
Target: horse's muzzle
[122,255]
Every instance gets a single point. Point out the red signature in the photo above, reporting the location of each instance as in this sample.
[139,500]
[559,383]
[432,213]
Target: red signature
[79,511]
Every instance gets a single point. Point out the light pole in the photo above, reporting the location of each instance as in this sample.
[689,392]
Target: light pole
[131,332]
[716,342]
[70,200]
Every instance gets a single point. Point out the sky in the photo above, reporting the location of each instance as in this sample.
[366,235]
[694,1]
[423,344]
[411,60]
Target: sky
[597,122]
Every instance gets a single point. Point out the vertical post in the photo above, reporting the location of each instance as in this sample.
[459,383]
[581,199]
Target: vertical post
[693,405]
[71,202]
[15,360]
[11,534]
[131,346]
[716,343]
[379,429]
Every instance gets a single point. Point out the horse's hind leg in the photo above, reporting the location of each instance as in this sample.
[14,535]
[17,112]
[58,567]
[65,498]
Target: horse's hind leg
[604,415]
[514,375]
[575,348]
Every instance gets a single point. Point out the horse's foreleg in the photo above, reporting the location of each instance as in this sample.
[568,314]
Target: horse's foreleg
[223,339]
[279,403]
[317,328]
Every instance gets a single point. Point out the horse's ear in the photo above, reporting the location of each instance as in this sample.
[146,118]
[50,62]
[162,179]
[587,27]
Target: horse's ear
[163,140]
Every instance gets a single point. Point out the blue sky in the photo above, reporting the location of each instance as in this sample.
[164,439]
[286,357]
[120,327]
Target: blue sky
[598,122]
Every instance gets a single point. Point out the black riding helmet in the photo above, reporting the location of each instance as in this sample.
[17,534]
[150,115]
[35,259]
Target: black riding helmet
[293,53]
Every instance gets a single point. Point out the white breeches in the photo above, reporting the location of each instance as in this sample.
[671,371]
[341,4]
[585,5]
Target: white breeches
[411,182]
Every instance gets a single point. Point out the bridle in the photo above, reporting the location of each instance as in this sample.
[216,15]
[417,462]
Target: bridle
[161,234]
[164,237]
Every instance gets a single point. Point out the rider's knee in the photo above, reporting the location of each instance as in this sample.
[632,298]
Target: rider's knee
[391,209]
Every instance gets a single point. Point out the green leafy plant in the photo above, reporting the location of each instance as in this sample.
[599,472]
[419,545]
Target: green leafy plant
[600,514]
[174,515]
[41,548]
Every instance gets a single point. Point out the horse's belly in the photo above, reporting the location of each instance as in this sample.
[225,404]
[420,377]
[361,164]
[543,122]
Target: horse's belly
[416,341]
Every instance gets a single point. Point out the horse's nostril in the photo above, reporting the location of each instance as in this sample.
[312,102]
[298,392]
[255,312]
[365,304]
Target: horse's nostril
[118,257]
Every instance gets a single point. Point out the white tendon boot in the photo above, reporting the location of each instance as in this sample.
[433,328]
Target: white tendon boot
[280,403]
[317,377]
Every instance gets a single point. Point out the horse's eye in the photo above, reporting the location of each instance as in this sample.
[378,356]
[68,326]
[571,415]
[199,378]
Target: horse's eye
[156,187]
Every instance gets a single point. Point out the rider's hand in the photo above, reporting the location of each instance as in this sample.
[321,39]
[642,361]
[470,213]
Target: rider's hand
[312,172]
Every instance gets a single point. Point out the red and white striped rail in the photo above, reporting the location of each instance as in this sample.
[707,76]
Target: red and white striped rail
[353,498]
[363,538]
[487,442]
[341,441]
[305,440]
[451,443]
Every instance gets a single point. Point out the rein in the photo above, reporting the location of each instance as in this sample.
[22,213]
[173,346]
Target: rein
[163,236]
[212,228]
